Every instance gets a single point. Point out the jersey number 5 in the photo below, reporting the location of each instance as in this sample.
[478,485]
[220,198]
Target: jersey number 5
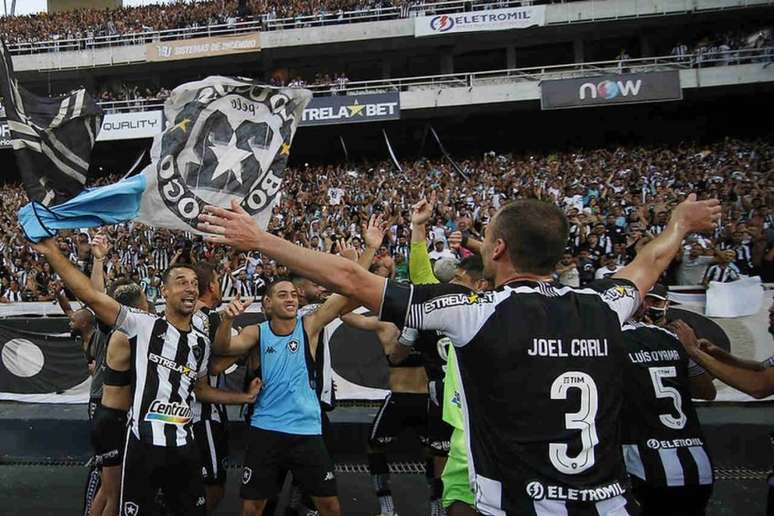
[657,374]
[583,420]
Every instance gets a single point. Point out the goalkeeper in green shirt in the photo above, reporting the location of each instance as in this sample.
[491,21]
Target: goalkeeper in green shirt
[457,495]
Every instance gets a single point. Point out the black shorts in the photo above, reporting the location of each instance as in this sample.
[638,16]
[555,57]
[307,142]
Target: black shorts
[399,410]
[211,438]
[92,408]
[174,470]
[270,455]
[108,436]
[438,431]
[671,501]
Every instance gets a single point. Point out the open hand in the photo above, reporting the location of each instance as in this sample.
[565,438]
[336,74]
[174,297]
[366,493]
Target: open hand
[686,335]
[373,232]
[234,227]
[697,216]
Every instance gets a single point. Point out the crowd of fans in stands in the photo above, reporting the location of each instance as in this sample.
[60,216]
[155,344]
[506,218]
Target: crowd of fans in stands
[91,23]
[615,199]
[88,24]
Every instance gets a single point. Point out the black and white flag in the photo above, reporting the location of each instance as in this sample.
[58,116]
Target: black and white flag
[227,139]
[52,138]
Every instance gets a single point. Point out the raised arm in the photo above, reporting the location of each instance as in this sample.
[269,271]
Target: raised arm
[235,227]
[100,247]
[420,268]
[234,345]
[105,307]
[336,304]
[688,217]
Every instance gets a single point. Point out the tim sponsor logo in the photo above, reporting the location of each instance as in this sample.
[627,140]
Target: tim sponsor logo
[609,89]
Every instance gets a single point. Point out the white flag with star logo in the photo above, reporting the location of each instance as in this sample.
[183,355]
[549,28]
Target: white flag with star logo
[226,139]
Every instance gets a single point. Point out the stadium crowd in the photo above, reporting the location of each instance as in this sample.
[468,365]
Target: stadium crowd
[90,23]
[616,201]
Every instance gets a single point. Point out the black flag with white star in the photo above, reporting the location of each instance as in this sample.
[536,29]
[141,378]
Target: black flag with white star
[52,138]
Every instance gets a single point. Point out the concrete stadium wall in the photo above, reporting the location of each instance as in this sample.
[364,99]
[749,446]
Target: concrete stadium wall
[503,91]
[556,14]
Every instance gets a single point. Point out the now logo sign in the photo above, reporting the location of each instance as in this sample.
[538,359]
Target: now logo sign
[610,89]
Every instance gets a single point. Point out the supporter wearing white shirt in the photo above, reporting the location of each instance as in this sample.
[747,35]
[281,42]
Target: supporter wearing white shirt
[610,268]
[335,196]
[439,251]
[693,265]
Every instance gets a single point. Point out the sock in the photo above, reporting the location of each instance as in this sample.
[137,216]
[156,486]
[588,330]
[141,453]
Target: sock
[380,475]
[436,508]
[436,494]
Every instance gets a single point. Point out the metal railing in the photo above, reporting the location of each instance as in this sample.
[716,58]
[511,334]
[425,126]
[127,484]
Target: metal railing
[764,55]
[563,71]
[266,23]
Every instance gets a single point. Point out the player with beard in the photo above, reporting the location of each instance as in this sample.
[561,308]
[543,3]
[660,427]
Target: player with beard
[555,447]
[664,446]
[169,362]
[751,377]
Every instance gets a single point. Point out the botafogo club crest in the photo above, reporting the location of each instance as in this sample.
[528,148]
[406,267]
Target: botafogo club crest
[227,142]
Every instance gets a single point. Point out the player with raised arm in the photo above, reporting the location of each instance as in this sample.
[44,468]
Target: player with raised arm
[169,363]
[286,420]
[556,446]
[450,468]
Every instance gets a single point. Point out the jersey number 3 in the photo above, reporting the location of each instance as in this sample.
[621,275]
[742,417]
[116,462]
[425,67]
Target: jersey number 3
[657,374]
[583,420]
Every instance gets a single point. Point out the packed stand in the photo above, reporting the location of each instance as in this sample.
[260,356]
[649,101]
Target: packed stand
[88,24]
[602,192]
[724,49]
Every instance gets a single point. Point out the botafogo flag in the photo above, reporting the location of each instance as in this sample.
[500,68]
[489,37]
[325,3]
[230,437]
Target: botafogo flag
[226,139]
[52,138]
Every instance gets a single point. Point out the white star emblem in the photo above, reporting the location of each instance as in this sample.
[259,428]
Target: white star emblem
[229,156]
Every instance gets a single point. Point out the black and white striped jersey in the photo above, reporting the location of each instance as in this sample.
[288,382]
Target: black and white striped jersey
[541,382]
[744,258]
[663,441]
[722,273]
[166,363]
[160,257]
[207,321]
